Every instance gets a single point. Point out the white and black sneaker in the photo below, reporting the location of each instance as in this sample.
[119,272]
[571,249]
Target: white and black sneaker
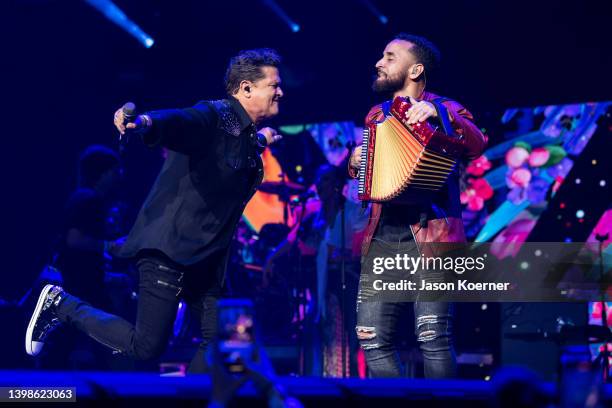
[44,319]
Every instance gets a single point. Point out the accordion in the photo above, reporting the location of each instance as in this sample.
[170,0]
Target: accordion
[396,156]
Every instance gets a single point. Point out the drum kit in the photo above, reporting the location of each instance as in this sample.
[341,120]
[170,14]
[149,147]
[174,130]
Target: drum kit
[285,190]
[274,294]
[251,248]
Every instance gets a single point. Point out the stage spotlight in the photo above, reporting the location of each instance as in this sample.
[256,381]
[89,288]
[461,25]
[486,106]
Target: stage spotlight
[374,10]
[273,5]
[579,214]
[114,14]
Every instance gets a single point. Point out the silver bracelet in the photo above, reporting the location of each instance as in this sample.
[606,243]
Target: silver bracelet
[146,121]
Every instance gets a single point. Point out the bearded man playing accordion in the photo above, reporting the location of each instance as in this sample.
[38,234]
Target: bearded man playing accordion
[417,216]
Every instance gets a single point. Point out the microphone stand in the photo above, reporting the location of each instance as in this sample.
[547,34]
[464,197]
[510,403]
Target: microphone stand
[350,146]
[298,290]
[604,355]
[343,281]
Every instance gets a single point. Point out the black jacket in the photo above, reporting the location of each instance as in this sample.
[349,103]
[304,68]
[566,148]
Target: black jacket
[212,170]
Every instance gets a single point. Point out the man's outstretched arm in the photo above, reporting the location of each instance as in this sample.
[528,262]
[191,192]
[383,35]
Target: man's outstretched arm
[181,130]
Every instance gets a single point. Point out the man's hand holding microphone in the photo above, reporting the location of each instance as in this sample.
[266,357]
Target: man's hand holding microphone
[126,119]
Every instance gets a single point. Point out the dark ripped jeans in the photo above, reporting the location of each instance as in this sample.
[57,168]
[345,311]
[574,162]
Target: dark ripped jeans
[377,323]
[162,285]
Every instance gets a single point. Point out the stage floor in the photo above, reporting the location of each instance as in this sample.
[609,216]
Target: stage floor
[96,388]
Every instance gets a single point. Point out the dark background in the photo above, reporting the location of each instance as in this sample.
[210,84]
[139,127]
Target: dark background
[65,69]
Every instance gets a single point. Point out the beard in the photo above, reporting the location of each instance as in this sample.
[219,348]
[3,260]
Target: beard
[389,84]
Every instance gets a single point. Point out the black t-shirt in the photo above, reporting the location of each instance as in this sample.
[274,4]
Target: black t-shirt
[395,222]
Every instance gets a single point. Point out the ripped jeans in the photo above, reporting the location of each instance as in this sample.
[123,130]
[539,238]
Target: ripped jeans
[161,287]
[377,324]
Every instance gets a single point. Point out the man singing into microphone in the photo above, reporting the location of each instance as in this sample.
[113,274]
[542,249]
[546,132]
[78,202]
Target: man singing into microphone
[182,234]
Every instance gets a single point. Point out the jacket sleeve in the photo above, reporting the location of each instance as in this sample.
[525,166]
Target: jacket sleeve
[182,130]
[462,121]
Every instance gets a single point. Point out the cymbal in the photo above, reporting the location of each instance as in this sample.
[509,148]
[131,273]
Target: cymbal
[281,188]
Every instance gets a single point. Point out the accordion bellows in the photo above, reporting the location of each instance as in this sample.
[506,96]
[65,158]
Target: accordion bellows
[396,156]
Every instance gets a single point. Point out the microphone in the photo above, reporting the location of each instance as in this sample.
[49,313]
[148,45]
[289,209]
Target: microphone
[129,112]
[142,122]
[260,140]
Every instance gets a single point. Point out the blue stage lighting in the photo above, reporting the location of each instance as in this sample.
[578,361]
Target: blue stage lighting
[114,14]
[374,10]
[295,27]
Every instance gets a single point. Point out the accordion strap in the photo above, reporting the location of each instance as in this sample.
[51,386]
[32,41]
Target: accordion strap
[443,116]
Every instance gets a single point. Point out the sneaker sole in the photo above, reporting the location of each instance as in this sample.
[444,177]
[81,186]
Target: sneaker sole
[33,348]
